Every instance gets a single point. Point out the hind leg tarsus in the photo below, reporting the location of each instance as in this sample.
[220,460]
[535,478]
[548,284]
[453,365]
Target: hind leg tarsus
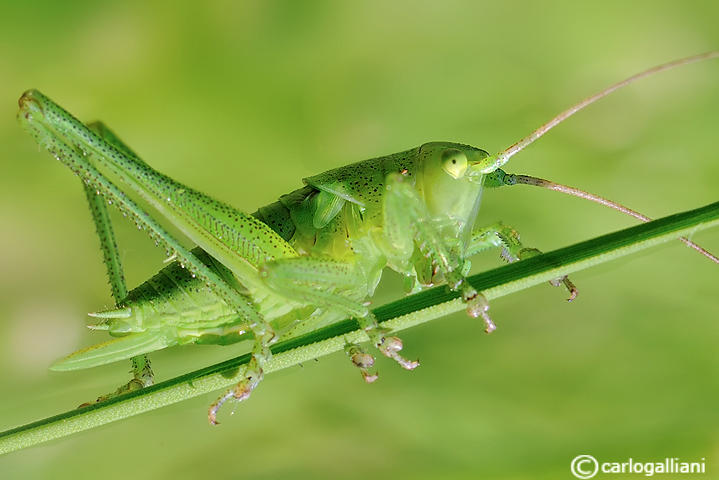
[253,375]
[142,377]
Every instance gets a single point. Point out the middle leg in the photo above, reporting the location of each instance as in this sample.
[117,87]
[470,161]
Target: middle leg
[336,285]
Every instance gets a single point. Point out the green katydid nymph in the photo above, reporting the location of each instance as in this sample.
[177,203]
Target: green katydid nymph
[312,258]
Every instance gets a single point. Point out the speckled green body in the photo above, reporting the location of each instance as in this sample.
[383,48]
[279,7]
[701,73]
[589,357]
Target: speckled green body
[309,259]
[336,215]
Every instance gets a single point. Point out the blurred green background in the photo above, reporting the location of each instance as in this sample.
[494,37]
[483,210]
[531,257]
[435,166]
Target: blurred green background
[243,99]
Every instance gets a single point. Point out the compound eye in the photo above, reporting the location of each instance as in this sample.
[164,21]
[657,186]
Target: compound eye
[454,162]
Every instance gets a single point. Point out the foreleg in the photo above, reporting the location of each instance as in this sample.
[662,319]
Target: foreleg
[406,223]
[499,235]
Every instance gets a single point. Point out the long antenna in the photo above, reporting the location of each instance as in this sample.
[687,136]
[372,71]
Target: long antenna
[511,179]
[494,162]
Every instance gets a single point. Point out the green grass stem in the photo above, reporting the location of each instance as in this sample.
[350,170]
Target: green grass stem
[396,316]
